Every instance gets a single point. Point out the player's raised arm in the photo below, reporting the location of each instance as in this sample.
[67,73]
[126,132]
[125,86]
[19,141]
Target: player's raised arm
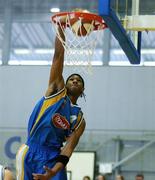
[56,81]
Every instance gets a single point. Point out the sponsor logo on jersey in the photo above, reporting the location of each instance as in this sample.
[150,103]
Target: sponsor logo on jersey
[60,121]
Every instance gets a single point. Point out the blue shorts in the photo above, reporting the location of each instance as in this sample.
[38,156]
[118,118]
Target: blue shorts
[31,159]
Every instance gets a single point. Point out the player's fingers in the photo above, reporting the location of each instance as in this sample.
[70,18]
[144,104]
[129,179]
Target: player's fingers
[36,176]
[47,168]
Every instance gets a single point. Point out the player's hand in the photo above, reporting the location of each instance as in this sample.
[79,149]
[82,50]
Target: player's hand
[48,174]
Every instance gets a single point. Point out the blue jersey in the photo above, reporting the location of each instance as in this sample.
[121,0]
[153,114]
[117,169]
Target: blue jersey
[53,119]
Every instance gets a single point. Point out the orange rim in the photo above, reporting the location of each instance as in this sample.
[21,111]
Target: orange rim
[98,20]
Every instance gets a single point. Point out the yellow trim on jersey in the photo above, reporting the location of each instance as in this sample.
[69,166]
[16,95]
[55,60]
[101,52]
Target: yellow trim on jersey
[49,101]
[79,120]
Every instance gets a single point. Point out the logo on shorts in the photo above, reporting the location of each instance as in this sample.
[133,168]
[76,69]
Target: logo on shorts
[60,121]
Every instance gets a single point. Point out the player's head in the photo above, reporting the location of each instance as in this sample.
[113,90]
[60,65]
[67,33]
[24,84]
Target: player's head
[75,85]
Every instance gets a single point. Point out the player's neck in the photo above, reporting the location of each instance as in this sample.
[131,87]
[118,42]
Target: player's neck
[73,99]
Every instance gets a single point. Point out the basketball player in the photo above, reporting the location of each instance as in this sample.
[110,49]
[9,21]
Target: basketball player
[55,119]
[5,173]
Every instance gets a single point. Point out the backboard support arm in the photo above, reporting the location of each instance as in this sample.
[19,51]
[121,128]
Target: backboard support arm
[119,32]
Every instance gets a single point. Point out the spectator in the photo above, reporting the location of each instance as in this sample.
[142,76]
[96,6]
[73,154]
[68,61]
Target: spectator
[139,177]
[86,178]
[119,177]
[100,177]
[5,173]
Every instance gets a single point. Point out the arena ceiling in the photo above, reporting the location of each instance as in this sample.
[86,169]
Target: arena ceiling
[25,25]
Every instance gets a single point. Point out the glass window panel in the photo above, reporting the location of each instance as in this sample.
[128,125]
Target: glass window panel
[32,38]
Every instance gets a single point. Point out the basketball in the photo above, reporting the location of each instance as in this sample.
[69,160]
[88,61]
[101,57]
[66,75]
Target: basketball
[81,27]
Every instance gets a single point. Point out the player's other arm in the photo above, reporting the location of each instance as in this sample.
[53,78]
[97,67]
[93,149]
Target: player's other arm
[56,81]
[67,151]
[73,140]
[70,145]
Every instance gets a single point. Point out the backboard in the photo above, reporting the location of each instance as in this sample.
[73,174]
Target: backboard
[127,19]
[135,15]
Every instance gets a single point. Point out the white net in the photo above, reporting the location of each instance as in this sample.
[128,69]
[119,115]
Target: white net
[81,39]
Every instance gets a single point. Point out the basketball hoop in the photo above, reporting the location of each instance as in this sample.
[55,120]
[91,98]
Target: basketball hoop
[81,33]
